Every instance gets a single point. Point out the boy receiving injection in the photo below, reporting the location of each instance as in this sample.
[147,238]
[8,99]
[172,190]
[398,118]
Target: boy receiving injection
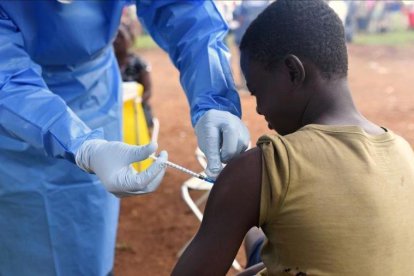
[332,191]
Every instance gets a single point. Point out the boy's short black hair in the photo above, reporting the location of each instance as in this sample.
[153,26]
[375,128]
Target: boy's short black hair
[306,28]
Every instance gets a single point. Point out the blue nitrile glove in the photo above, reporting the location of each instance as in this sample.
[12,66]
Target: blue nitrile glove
[111,162]
[221,136]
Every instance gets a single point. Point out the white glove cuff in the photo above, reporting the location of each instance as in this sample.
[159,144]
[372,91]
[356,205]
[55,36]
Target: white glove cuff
[84,153]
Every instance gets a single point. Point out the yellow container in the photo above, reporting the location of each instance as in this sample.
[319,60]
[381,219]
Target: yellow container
[134,124]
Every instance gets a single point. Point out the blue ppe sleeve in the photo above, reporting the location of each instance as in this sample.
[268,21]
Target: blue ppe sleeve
[29,112]
[192,33]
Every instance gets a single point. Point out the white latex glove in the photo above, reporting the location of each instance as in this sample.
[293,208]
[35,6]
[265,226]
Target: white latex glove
[111,162]
[221,136]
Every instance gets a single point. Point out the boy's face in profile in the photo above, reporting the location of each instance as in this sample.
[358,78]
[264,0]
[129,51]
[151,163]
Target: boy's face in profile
[273,92]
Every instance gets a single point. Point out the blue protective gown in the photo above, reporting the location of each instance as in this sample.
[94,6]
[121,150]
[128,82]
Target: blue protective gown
[59,86]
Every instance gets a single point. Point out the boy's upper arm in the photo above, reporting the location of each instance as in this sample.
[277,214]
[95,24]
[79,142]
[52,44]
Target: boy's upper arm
[232,209]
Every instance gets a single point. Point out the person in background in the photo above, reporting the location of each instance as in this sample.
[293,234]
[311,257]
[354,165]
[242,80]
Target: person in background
[332,191]
[244,14]
[351,21]
[134,68]
[63,166]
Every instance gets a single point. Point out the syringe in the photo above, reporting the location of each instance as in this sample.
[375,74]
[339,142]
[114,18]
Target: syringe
[187,171]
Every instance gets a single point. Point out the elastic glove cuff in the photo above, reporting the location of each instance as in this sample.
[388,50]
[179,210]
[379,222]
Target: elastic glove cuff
[84,153]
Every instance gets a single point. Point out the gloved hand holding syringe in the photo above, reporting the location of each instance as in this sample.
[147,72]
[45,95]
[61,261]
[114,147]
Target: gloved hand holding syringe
[187,171]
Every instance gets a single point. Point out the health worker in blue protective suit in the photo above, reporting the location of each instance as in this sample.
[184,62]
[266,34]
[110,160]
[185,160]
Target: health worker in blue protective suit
[60,120]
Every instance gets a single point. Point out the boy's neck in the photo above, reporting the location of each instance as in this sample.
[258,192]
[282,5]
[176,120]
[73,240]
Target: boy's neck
[331,104]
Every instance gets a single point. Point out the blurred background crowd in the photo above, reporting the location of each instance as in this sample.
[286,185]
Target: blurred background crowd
[368,22]
[359,17]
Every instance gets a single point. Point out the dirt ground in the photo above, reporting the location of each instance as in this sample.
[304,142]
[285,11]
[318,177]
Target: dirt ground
[153,228]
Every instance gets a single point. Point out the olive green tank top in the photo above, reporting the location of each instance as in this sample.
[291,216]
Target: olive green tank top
[337,201]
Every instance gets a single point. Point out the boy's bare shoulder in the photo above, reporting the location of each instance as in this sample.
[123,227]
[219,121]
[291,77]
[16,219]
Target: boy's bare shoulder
[241,178]
[247,164]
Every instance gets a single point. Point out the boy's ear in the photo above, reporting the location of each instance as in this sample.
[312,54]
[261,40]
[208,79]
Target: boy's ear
[296,69]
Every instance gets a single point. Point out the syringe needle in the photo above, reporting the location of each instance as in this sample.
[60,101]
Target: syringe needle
[187,171]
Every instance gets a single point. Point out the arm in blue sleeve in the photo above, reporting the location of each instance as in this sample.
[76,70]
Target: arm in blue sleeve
[192,32]
[28,110]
